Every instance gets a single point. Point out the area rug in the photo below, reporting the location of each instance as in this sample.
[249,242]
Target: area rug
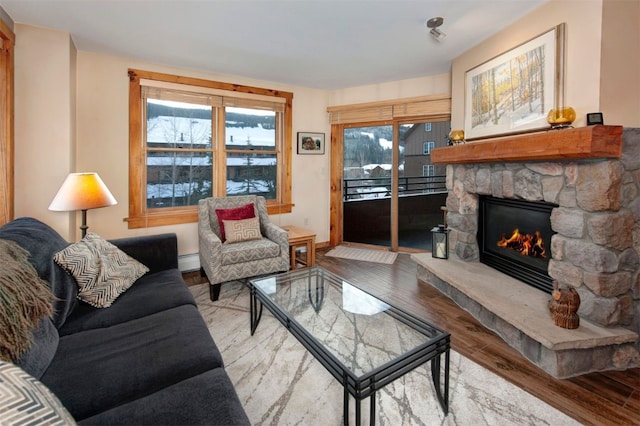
[367,255]
[280,383]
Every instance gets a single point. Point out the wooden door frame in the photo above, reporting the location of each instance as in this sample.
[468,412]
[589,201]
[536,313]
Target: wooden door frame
[7,147]
[337,156]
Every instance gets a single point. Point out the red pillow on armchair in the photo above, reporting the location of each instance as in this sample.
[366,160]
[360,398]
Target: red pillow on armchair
[237,213]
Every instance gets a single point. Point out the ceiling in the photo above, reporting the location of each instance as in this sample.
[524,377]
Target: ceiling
[311,43]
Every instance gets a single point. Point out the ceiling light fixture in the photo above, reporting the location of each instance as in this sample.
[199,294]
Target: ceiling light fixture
[433,25]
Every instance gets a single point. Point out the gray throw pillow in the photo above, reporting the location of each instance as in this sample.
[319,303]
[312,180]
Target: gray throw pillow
[103,271]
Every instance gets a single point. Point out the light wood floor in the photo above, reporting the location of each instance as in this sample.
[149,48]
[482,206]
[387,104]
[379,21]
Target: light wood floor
[611,398]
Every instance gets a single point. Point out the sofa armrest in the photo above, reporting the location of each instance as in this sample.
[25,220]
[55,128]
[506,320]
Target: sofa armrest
[158,252]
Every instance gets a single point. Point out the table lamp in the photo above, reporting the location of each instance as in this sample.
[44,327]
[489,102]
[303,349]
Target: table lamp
[82,191]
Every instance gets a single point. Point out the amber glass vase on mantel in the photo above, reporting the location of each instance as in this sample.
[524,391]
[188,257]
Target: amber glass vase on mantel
[561,118]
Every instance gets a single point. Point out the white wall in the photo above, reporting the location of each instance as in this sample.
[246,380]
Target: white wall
[602,70]
[582,70]
[95,137]
[620,66]
[44,118]
[422,86]
[53,137]
[103,142]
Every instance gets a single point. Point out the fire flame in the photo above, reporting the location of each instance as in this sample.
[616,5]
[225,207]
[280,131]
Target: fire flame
[525,244]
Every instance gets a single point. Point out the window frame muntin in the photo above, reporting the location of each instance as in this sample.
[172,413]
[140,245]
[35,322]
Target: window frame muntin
[139,215]
[429,145]
[431,167]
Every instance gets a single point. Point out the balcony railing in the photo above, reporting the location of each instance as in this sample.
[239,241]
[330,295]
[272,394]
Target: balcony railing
[367,210]
[358,189]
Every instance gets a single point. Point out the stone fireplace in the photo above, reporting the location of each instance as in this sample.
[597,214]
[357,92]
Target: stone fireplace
[591,179]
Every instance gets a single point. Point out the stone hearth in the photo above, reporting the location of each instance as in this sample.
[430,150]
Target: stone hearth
[595,182]
[518,313]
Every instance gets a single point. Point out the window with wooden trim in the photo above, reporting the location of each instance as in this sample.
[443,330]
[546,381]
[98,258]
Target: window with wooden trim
[191,139]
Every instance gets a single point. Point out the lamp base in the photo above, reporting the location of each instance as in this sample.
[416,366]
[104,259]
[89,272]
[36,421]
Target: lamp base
[84,226]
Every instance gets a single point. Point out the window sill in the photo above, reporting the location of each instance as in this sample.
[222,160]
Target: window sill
[176,217]
[164,218]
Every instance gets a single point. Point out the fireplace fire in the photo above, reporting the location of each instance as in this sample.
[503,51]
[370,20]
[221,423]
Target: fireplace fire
[513,236]
[525,244]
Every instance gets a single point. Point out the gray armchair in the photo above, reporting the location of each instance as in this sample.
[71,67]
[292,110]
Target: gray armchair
[227,262]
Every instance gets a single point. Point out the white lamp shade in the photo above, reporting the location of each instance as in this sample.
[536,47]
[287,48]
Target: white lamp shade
[82,191]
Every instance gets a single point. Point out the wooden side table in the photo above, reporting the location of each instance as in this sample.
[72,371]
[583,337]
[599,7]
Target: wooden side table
[299,237]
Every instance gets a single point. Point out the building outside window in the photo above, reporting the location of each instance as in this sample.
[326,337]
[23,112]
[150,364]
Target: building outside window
[427,127]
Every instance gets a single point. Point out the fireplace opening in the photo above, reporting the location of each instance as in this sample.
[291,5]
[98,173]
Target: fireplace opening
[514,237]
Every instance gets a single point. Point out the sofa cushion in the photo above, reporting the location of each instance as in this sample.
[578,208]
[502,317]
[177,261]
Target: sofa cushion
[42,242]
[156,251]
[152,293]
[26,401]
[103,271]
[242,230]
[99,369]
[235,213]
[36,360]
[205,399]
[25,299]
[247,251]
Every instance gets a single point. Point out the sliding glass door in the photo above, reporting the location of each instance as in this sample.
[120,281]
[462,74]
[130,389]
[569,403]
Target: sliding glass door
[421,184]
[391,192]
[367,187]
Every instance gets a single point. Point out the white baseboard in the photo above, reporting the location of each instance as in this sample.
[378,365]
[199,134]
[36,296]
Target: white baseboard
[189,262]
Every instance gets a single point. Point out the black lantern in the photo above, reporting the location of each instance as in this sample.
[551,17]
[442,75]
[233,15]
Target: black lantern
[440,242]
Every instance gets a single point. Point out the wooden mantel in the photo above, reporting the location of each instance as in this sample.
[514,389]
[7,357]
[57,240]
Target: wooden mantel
[564,144]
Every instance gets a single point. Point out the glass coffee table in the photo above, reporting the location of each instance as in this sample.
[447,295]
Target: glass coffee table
[363,342]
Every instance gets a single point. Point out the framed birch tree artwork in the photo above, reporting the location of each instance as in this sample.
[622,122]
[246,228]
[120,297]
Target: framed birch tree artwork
[513,92]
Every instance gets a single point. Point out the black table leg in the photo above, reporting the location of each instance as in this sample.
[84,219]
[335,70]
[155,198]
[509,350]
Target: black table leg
[345,405]
[443,397]
[254,312]
[372,409]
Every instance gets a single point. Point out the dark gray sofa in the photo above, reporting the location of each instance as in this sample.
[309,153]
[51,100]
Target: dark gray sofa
[147,359]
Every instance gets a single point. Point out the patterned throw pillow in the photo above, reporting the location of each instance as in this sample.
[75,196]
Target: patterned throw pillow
[103,271]
[26,401]
[242,230]
[237,213]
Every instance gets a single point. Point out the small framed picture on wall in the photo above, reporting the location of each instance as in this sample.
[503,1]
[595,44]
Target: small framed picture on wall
[310,143]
